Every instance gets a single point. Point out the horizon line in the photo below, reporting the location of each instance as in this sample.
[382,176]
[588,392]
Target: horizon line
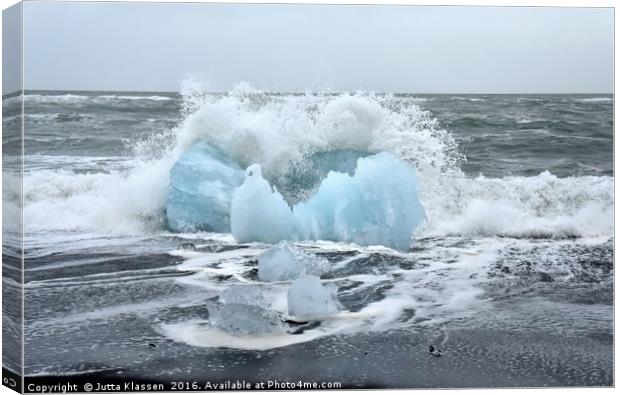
[27,91]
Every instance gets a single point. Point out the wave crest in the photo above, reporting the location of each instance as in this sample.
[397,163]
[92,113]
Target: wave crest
[281,131]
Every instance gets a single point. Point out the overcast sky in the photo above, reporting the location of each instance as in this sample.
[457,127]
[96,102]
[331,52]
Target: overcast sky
[154,46]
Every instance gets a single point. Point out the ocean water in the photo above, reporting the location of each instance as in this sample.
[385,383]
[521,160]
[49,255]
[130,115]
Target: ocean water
[511,274]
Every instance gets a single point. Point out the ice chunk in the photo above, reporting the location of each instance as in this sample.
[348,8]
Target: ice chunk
[238,318]
[308,299]
[305,177]
[244,309]
[243,294]
[379,204]
[202,182]
[259,213]
[284,262]
[376,204]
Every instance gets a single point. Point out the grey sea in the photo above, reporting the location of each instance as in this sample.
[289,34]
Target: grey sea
[510,275]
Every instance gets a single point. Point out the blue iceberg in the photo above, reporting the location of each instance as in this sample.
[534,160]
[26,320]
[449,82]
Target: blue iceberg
[203,179]
[342,195]
[378,204]
[303,178]
[202,182]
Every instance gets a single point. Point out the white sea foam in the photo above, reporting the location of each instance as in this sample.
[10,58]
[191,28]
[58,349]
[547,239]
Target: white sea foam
[472,99]
[76,99]
[118,202]
[539,206]
[594,99]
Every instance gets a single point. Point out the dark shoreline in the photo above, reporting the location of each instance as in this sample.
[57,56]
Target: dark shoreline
[472,358]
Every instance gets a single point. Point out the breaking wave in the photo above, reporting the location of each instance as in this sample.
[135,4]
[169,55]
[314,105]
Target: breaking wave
[77,99]
[280,132]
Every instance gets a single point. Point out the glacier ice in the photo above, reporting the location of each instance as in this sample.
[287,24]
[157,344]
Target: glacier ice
[284,261]
[238,318]
[308,299]
[243,309]
[378,204]
[258,212]
[202,182]
[301,179]
[203,179]
[342,195]
[243,294]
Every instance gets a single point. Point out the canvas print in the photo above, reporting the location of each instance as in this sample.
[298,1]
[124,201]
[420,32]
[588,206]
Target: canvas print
[214,196]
